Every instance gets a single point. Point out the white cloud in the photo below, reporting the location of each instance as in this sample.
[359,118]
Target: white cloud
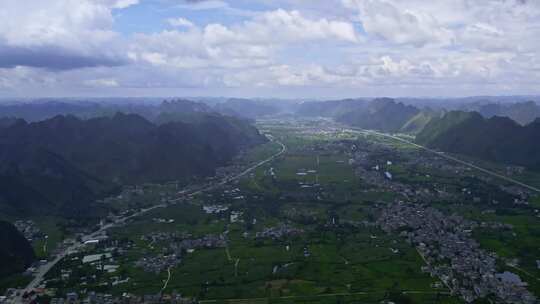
[202,5]
[252,43]
[84,36]
[119,4]
[102,82]
[180,22]
[292,26]
[357,45]
[398,25]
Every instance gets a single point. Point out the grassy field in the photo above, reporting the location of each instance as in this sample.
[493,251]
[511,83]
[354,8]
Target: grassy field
[341,265]
[348,263]
[309,189]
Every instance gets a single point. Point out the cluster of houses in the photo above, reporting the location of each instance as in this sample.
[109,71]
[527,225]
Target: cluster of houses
[126,298]
[207,241]
[451,254]
[215,209]
[278,232]
[373,164]
[158,263]
[177,245]
[160,236]
[29,229]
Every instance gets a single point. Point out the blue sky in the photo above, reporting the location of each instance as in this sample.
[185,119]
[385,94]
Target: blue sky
[269,48]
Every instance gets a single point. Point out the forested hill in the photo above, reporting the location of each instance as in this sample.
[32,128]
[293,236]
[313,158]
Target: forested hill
[382,114]
[16,253]
[63,163]
[521,112]
[498,139]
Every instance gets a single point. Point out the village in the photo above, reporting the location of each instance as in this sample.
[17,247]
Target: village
[445,244]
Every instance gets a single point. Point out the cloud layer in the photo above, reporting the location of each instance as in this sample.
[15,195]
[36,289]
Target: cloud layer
[282,48]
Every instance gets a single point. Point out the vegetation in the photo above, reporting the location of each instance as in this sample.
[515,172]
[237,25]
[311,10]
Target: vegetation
[382,114]
[62,164]
[496,139]
[16,254]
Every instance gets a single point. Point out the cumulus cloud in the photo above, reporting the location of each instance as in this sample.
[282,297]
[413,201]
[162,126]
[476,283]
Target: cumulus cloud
[180,22]
[361,45]
[464,24]
[249,44]
[102,82]
[43,35]
[402,26]
[202,4]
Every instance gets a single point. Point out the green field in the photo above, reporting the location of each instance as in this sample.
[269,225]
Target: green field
[343,265]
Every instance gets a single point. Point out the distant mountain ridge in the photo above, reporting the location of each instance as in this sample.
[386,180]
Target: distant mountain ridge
[63,163]
[330,108]
[154,112]
[386,114]
[246,108]
[497,139]
[382,114]
[521,112]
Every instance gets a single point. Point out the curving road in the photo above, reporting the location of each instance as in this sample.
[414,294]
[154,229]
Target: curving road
[44,269]
[441,154]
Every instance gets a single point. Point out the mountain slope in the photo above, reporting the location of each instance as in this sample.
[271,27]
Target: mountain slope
[382,114]
[64,163]
[16,253]
[331,108]
[36,181]
[497,139]
[181,110]
[521,112]
[418,122]
[246,108]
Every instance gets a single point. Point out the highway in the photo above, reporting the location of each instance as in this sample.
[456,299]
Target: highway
[441,154]
[45,268]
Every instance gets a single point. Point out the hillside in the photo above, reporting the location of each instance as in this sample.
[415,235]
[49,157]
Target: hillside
[152,111]
[16,253]
[521,112]
[37,181]
[246,108]
[497,139]
[331,108]
[180,110]
[382,114]
[64,163]
[418,122]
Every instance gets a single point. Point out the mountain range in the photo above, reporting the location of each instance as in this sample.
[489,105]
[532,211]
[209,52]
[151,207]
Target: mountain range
[383,114]
[62,164]
[521,112]
[498,139]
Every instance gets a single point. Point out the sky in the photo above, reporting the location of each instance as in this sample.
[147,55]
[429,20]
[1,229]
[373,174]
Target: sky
[269,48]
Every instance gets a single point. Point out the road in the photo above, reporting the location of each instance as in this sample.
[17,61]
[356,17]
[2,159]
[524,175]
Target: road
[44,269]
[326,295]
[441,154]
[168,279]
[227,180]
[426,262]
